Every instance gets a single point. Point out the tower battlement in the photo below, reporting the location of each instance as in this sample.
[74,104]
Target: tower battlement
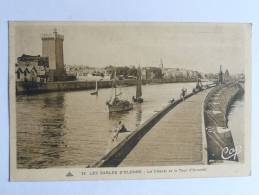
[52,36]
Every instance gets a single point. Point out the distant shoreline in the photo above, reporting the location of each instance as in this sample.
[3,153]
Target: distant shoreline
[26,88]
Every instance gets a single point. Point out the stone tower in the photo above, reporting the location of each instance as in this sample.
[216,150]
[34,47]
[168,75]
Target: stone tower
[52,47]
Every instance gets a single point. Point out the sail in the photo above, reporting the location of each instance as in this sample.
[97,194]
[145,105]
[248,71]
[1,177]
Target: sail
[139,84]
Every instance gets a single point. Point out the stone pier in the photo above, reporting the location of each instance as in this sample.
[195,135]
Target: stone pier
[178,139]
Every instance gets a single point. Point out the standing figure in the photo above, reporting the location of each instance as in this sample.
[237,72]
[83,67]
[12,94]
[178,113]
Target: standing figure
[183,93]
[115,134]
[119,129]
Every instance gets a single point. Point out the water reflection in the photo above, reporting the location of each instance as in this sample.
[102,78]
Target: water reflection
[237,114]
[118,116]
[138,114]
[45,136]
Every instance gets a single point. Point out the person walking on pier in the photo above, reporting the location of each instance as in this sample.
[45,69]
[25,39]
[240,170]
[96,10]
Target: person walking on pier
[115,134]
[183,93]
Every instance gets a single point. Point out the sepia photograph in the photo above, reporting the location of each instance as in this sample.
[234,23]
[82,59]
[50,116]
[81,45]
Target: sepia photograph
[129,100]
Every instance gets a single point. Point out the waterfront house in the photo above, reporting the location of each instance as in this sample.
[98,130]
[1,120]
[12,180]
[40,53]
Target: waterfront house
[19,73]
[31,68]
[26,73]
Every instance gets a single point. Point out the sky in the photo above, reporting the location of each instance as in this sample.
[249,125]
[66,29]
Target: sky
[196,46]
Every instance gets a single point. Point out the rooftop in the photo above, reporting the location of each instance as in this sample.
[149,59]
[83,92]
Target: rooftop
[29,58]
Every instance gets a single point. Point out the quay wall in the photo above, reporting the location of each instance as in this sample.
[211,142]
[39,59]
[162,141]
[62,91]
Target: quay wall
[229,93]
[31,87]
[216,109]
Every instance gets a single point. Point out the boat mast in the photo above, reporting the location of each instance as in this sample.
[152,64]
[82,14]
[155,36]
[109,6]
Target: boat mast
[115,92]
[139,83]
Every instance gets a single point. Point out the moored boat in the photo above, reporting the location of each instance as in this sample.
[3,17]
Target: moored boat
[116,104]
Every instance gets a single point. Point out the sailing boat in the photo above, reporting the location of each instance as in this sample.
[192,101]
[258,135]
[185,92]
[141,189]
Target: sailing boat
[96,89]
[138,97]
[117,104]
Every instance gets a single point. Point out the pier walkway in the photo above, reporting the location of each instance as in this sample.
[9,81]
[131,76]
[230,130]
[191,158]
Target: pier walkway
[178,139]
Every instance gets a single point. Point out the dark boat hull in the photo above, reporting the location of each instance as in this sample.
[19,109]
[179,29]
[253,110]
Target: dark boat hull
[120,108]
[138,100]
[94,93]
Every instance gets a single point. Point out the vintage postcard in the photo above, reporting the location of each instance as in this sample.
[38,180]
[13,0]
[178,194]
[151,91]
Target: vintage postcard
[129,100]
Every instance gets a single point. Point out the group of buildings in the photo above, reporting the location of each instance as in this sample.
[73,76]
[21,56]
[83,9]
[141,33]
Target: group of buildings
[86,73]
[47,67]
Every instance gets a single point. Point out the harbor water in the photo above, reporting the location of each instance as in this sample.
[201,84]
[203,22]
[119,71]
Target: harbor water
[236,125]
[63,129]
